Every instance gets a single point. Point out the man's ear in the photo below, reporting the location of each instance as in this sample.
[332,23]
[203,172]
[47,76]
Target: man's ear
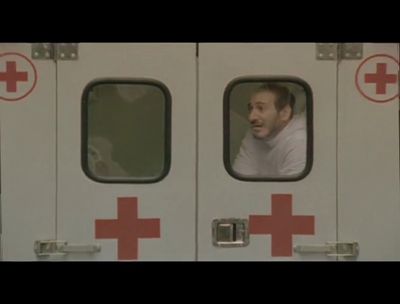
[285,113]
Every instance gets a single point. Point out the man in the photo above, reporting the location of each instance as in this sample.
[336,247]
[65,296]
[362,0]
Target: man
[275,145]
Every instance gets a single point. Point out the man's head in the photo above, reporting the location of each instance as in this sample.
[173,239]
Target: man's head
[270,110]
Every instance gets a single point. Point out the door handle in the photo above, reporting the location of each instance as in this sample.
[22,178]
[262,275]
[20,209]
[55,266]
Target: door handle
[57,248]
[334,249]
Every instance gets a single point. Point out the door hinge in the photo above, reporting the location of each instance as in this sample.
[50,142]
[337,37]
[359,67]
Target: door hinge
[339,51]
[351,51]
[55,51]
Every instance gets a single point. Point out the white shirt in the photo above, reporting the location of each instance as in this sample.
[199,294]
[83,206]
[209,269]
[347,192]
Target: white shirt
[282,155]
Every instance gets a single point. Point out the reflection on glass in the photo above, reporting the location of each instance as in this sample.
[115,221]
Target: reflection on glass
[268,131]
[126,131]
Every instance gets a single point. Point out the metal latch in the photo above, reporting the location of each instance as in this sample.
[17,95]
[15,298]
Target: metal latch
[334,249]
[231,232]
[54,248]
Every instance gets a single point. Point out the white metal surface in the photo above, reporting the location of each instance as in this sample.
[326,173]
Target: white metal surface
[28,176]
[221,196]
[368,190]
[80,200]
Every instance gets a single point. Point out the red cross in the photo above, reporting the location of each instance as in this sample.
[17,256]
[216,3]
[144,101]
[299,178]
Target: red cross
[380,78]
[11,76]
[127,228]
[281,224]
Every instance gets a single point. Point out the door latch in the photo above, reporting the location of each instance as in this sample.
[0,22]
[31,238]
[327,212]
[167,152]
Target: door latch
[231,232]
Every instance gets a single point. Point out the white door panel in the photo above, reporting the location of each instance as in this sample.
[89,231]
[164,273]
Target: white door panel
[82,201]
[368,175]
[220,195]
[28,176]
[350,194]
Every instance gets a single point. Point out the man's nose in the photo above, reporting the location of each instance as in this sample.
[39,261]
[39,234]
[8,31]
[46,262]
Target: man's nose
[252,116]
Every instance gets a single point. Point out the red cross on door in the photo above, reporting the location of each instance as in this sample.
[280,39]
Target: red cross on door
[11,76]
[381,78]
[128,228]
[18,76]
[376,78]
[281,224]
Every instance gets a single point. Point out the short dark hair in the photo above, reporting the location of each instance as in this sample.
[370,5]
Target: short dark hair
[282,93]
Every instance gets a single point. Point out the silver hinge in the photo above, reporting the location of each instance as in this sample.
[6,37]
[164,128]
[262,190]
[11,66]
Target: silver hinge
[334,249]
[342,51]
[327,51]
[351,51]
[57,248]
[231,232]
[42,51]
[55,51]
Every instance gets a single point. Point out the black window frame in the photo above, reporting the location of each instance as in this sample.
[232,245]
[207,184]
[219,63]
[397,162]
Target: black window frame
[85,136]
[309,123]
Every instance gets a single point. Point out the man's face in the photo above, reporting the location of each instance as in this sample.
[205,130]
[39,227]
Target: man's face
[264,118]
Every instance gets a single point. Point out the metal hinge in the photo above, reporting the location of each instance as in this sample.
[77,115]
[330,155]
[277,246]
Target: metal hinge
[55,51]
[342,51]
[351,51]
[333,249]
[57,248]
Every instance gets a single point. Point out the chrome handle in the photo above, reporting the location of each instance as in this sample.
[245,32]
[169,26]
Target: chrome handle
[334,249]
[313,248]
[57,248]
[79,248]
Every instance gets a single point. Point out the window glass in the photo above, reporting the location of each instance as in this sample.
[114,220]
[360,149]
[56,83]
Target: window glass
[268,129]
[126,131]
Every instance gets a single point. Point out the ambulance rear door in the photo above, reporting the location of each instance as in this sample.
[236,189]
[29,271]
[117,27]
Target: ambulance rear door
[242,218]
[126,152]
[28,148]
[368,149]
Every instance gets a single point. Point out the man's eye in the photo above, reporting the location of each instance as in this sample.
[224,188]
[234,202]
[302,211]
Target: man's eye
[260,108]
